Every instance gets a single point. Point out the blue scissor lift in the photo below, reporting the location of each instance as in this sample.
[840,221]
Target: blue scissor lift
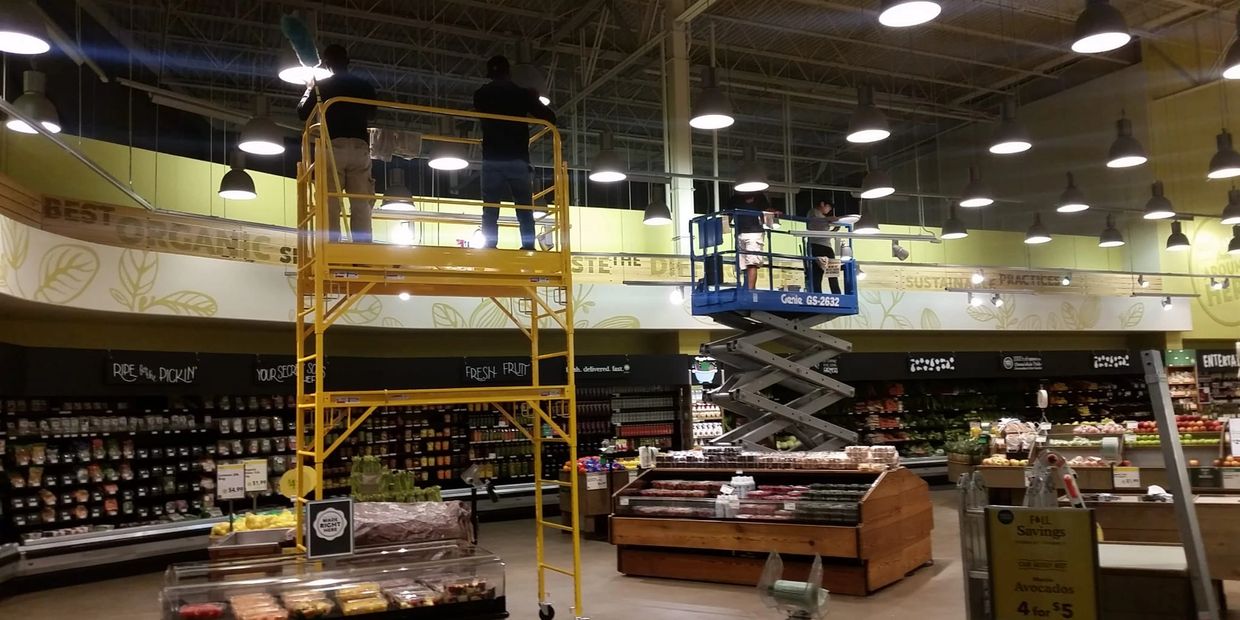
[777,342]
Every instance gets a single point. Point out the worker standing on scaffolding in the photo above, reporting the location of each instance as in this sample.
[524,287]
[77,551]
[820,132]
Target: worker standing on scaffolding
[506,150]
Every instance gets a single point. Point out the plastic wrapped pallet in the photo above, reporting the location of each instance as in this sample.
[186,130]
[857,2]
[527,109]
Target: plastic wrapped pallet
[384,523]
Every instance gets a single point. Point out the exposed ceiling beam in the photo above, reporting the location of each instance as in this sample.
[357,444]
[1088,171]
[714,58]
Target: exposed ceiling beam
[692,11]
[615,70]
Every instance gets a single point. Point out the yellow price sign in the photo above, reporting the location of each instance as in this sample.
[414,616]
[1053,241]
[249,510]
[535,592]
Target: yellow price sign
[1043,563]
[288,482]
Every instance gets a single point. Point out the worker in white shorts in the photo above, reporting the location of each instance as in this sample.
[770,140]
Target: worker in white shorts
[750,234]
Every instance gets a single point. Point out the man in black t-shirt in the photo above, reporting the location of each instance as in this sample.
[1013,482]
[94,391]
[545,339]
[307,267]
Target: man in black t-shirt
[506,150]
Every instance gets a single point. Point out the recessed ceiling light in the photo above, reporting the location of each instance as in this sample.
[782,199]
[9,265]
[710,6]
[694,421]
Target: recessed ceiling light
[905,13]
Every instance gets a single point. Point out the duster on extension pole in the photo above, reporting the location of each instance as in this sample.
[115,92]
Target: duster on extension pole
[302,40]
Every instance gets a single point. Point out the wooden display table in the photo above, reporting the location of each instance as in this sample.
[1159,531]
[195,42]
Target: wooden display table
[891,539]
[1129,519]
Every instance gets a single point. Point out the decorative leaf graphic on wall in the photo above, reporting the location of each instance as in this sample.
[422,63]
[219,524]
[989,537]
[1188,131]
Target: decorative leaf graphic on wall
[443,315]
[1004,317]
[619,322]
[189,303]
[389,321]
[1132,316]
[982,313]
[1032,322]
[581,299]
[137,271]
[488,316]
[65,272]
[1083,317]
[930,320]
[15,242]
[366,310]
[1052,321]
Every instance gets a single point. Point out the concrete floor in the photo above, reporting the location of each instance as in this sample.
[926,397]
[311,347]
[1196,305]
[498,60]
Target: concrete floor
[933,593]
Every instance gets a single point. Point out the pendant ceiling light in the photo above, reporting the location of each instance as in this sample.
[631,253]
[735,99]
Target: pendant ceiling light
[527,75]
[22,30]
[657,213]
[905,13]
[261,136]
[976,193]
[34,105]
[1158,207]
[1231,61]
[877,183]
[1110,237]
[867,124]
[444,155]
[1231,213]
[953,228]
[751,175]
[1037,235]
[1177,241]
[1100,28]
[237,183]
[1226,161]
[866,224]
[1072,200]
[292,71]
[609,165]
[712,109]
[1233,248]
[1011,136]
[1126,151]
[396,196]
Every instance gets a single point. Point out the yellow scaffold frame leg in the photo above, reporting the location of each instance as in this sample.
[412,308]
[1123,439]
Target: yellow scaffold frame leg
[332,276]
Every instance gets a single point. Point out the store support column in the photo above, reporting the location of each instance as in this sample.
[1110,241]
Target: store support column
[676,106]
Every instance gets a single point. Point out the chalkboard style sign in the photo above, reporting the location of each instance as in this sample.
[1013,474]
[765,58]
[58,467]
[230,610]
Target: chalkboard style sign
[1021,362]
[608,367]
[280,371]
[150,368]
[496,372]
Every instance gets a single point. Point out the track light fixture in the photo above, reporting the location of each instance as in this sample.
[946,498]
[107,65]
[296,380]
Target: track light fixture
[443,155]
[22,30]
[1167,304]
[34,105]
[1177,241]
[609,165]
[1010,137]
[712,109]
[1100,28]
[1233,248]
[1226,161]
[1158,207]
[751,175]
[1072,200]
[1110,237]
[677,296]
[997,300]
[898,251]
[976,193]
[1142,282]
[657,213]
[978,277]
[976,300]
[396,196]
[868,124]
[860,273]
[237,183]
[404,296]
[877,183]
[1126,151]
[1217,284]
[261,135]
[1231,60]
[1037,235]
[953,228]
[1066,280]
[846,254]
[1231,213]
[905,13]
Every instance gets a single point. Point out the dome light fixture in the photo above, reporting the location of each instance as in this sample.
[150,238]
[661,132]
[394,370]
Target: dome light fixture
[905,13]
[396,196]
[1126,151]
[1037,235]
[976,193]
[1142,282]
[22,30]
[877,183]
[528,75]
[1226,161]
[1177,241]
[1072,200]
[1167,304]
[997,300]
[953,228]
[609,165]
[34,105]
[237,184]
[712,109]
[293,72]
[1231,213]
[1100,28]
[1158,207]
[1233,248]
[261,135]
[1110,237]
[447,155]
[657,213]
[1010,137]
[751,175]
[978,277]
[866,225]
[868,124]
[1231,61]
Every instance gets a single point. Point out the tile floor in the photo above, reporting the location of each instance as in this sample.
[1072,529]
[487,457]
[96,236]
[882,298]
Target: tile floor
[933,593]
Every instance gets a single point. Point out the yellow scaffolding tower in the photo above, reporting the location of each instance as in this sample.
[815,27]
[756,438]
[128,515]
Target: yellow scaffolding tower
[332,276]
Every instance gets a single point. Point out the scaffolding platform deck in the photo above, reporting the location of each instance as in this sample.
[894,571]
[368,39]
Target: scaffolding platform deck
[445,396]
[707,303]
[443,271]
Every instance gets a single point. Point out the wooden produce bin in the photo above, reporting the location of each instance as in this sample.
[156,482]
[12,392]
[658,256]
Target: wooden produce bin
[891,539]
[1129,519]
[594,504]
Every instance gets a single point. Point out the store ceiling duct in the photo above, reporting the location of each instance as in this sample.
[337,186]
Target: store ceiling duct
[868,124]
[261,135]
[1231,61]
[1072,200]
[1010,137]
[609,165]
[877,183]
[22,30]
[237,184]
[1233,248]
[866,224]
[443,155]
[1100,28]
[396,196]
[712,109]
[657,212]
[1126,150]
[1177,241]
[1110,237]
[953,228]
[1158,207]
[976,193]
[905,13]
[751,175]
[1037,234]
[1226,161]
[1231,213]
[34,105]
[292,71]
[527,75]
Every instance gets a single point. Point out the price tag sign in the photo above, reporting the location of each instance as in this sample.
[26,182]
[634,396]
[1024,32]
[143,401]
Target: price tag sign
[596,481]
[624,501]
[633,474]
[1231,477]
[255,476]
[726,489]
[1028,476]
[790,506]
[1126,477]
[329,525]
[230,481]
[1043,563]
[1233,429]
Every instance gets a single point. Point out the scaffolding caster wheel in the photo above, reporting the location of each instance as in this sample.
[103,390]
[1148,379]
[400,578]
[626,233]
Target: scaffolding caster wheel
[546,611]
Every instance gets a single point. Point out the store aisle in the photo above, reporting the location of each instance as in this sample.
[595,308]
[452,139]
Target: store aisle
[934,591]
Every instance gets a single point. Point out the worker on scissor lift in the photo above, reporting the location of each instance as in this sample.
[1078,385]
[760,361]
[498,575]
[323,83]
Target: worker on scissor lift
[750,232]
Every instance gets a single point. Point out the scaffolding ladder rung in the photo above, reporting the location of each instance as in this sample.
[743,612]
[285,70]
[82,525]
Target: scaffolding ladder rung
[547,356]
[555,482]
[307,453]
[556,526]
[555,439]
[557,569]
[302,360]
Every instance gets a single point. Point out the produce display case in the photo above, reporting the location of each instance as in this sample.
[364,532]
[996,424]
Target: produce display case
[870,527]
[441,579]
